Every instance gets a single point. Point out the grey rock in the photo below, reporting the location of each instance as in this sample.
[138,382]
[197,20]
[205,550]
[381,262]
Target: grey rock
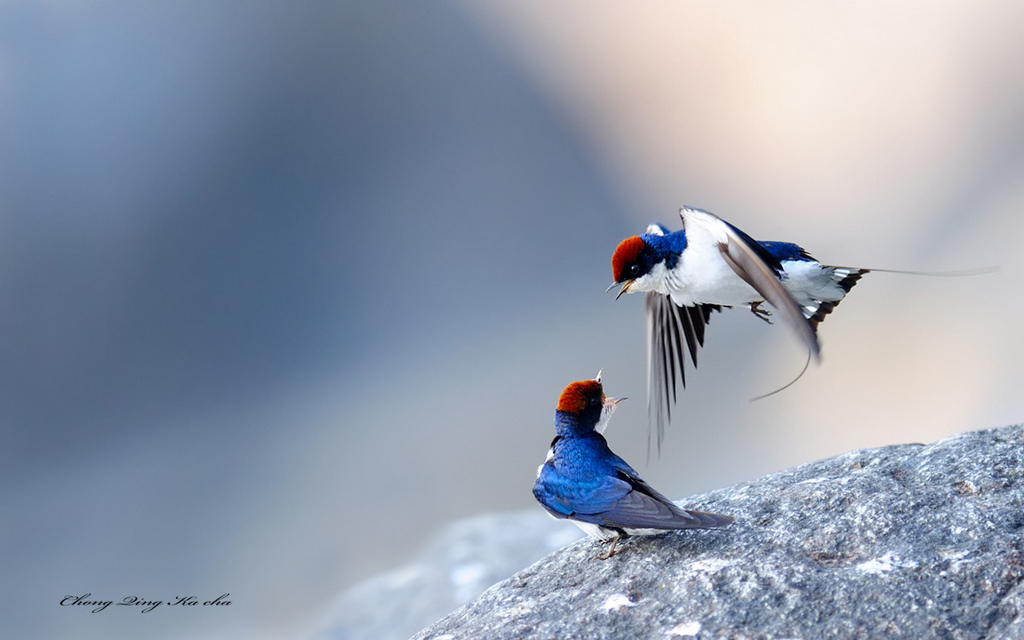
[907,541]
[458,565]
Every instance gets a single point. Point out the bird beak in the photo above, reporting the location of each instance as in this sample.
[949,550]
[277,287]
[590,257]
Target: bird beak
[612,286]
[625,288]
[613,401]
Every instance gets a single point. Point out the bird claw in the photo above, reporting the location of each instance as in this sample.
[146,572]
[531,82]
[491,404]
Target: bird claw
[764,314]
[611,550]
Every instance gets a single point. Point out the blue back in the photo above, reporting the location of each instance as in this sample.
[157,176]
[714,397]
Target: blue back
[786,251]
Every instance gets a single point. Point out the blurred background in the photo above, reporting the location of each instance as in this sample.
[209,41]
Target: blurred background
[286,287]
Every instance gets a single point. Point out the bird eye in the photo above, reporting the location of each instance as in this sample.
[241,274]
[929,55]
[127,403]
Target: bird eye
[634,270]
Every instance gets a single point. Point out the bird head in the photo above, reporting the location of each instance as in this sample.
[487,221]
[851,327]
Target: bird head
[634,260]
[584,406]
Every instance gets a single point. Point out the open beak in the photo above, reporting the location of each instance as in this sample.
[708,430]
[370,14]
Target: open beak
[625,288]
[613,401]
[608,401]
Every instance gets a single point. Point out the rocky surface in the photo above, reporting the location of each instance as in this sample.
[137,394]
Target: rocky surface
[908,541]
[457,566]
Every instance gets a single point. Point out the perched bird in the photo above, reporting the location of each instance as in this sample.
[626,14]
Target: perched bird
[582,480]
[707,265]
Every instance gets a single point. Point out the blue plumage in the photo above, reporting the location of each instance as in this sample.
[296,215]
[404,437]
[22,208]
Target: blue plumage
[584,481]
[667,246]
[786,251]
[660,248]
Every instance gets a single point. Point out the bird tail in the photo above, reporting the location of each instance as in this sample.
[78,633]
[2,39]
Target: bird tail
[704,520]
[846,278]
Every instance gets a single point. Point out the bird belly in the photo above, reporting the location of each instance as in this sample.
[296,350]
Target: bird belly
[595,531]
[645,532]
[702,276]
[598,532]
[714,283]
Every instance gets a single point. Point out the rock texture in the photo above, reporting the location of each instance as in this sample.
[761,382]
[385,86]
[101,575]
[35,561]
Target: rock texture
[457,566]
[908,541]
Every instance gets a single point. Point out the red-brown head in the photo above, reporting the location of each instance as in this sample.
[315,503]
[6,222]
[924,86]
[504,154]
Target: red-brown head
[626,259]
[583,407]
[579,396]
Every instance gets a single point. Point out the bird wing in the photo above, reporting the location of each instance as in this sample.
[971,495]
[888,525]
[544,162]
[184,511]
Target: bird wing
[641,507]
[574,496]
[672,332]
[614,496]
[756,267]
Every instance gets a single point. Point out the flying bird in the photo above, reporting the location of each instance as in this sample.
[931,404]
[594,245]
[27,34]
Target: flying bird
[583,481]
[705,266]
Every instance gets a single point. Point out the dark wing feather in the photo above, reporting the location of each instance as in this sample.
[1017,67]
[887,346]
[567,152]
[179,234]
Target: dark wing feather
[746,258]
[644,508]
[672,332]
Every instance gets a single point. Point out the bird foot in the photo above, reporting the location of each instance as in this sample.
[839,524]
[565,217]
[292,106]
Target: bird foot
[764,314]
[611,549]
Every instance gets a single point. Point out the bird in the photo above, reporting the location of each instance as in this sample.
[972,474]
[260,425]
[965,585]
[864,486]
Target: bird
[583,481]
[709,265]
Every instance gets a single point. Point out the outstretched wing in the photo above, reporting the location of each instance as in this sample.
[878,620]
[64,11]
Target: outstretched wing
[672,332]
[756,267]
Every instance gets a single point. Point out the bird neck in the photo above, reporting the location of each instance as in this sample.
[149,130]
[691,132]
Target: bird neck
[572,424]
